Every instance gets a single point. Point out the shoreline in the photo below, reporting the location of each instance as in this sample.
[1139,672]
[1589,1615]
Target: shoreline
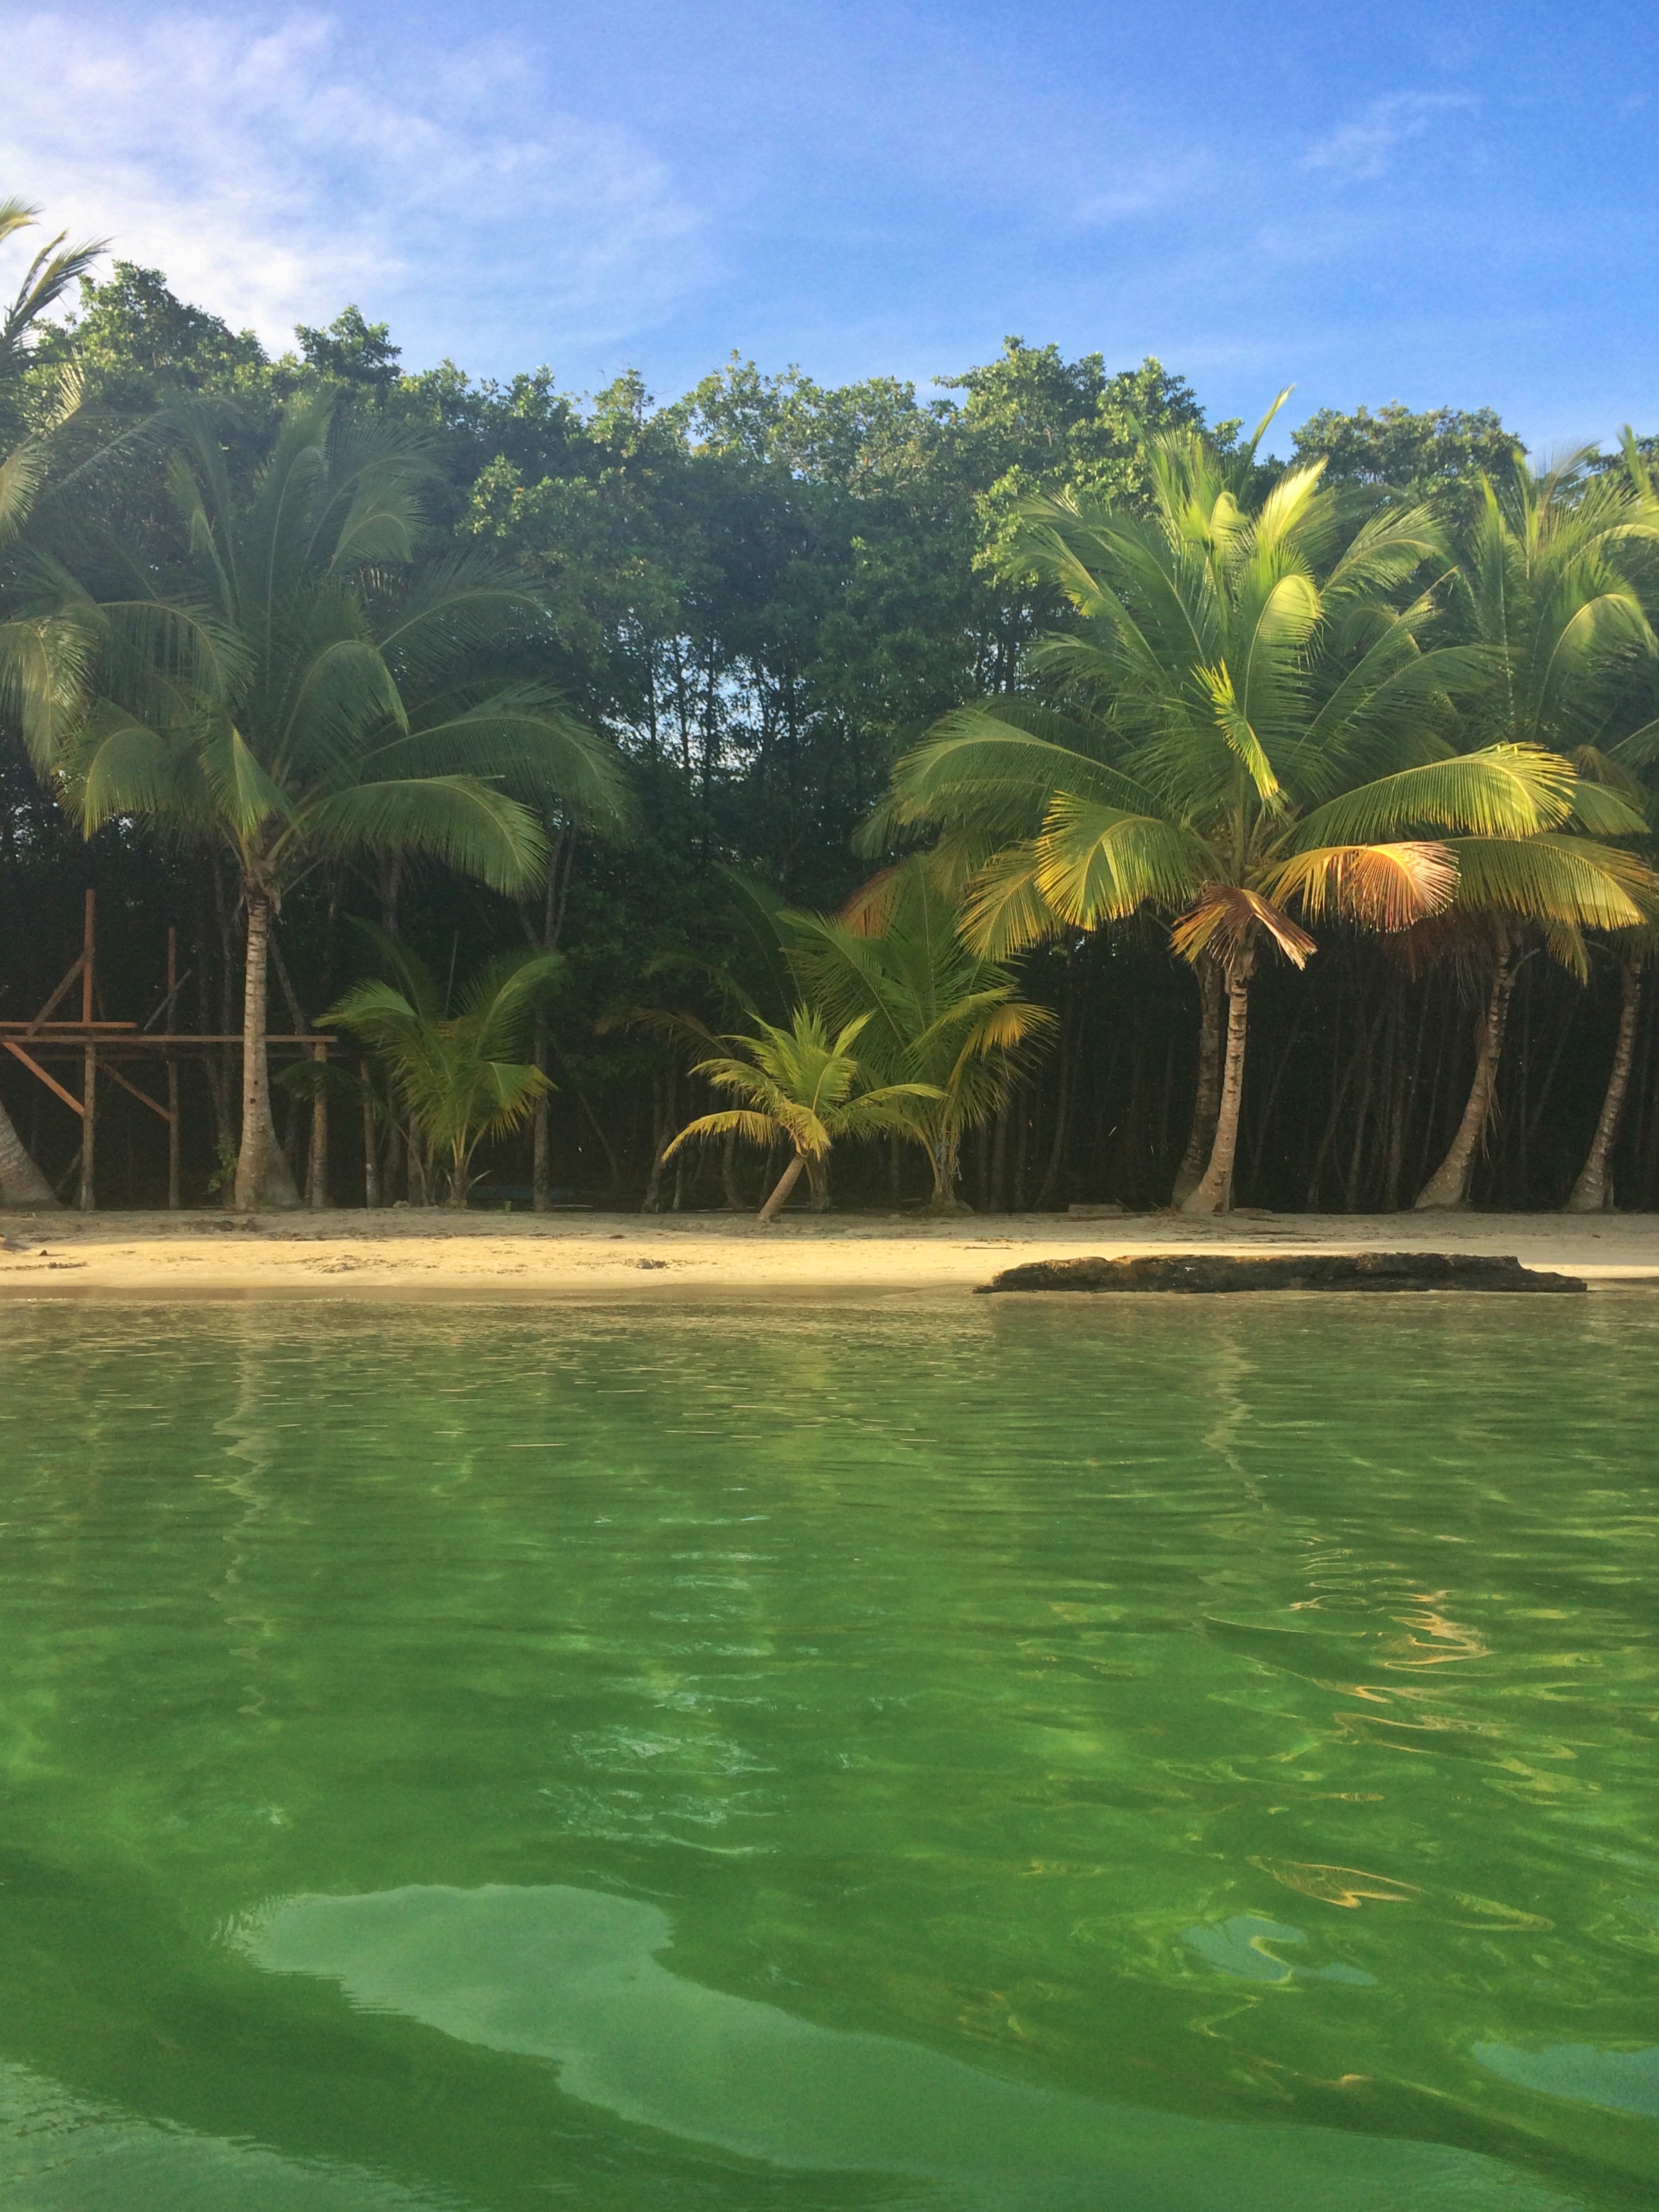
[595,1256]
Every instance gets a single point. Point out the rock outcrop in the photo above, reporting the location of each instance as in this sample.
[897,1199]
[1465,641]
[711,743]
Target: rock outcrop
[1309,1271]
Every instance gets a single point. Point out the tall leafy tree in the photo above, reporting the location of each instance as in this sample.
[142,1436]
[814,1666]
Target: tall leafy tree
[1249,724]
[303,689]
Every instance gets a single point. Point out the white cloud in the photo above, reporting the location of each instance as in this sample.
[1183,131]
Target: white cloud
[274,175]
[1150,186]
[1361,151]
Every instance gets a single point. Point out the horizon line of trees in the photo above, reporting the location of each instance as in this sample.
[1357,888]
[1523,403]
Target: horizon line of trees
[1032,794]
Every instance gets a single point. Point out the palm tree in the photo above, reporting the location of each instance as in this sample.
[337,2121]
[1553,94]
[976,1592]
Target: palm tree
[457,1076]
[1251,721]
[305,692]
[1551,584]
[22,471]
[801,1085]
[934,1012]
[48,276]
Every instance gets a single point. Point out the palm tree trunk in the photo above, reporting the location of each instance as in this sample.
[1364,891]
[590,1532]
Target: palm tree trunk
[944,1158]
[1592,1194]
[262,1175]
[21,1182]
[731,1196]
[371,1153]
[317,1162]
[541,1149]
[1214,1194]
[1449,1183]
[1206,1103]
[786,1183]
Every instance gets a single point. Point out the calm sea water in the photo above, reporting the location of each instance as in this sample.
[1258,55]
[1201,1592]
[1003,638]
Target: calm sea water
[1140,1755]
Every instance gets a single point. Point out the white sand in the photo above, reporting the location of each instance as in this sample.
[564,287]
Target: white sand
[602,1256]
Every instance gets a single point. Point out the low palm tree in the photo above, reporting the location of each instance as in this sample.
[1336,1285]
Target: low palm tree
[1251,723]
[459,1076]
[934,1012]
[304,690]
[801,1085]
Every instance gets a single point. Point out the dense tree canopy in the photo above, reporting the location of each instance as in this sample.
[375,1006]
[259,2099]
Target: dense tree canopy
[757,597]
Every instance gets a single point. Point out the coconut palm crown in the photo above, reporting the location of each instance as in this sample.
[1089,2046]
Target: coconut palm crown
[802,1084]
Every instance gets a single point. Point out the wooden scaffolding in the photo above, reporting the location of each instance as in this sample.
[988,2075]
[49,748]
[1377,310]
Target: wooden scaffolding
[101,1047]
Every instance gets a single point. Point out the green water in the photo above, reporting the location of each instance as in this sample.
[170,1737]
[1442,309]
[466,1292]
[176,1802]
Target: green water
[1153,1755]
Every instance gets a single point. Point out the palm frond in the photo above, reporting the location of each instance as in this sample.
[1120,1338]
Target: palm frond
[1381,887]
[477,831]
[1554,878]
[1503,791]
[1225,919]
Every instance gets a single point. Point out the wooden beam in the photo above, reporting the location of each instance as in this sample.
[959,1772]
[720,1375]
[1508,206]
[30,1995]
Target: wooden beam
[127,1037]
[88,1102]
[51,1081]
[116,1076]
[29,1029]
[88,941]
[173,1076]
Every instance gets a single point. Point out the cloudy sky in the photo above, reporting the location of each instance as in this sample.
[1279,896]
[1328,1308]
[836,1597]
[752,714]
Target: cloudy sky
[1438,203]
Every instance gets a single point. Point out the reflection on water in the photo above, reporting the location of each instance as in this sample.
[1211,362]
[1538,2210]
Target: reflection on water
[1623,2080]
[1157,1756]
[574,1976]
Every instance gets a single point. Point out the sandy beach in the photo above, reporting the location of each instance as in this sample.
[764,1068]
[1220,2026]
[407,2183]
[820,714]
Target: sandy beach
[603,1256]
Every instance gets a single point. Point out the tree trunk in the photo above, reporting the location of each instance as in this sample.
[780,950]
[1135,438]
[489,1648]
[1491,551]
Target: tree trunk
[262,1175]
[317,1164]
[1214,1194]
[21,1182]
[1592,1193]
[541,1149]
[1206,1102]
[731,1196]
[786,1183]
[371,1152]
[1449,1183]
[662,1101]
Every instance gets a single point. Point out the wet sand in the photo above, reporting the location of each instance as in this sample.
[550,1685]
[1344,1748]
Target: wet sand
[594,1256]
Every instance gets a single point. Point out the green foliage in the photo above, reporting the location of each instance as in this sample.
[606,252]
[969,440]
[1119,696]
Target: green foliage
[1418,455]
[802,1086]
[136,343]
[458,1077]
[762,594]
[933,1012]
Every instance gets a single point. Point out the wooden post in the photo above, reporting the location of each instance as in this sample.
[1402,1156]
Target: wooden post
[317,1171]
[89,1068]
[172,1073]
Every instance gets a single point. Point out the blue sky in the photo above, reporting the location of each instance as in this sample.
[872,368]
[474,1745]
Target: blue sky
[1433,203]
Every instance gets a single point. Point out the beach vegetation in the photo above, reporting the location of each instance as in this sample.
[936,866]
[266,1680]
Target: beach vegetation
[1185,815]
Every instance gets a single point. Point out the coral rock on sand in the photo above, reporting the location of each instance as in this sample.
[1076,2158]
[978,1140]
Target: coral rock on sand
[1309,1271]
